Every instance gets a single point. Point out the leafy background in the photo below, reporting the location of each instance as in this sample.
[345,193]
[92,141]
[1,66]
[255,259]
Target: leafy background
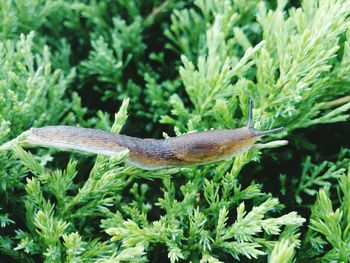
[184,66]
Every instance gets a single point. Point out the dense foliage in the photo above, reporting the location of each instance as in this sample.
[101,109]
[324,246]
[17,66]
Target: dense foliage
[162,68]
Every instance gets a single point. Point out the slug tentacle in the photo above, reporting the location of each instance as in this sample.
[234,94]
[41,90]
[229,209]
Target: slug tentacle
[185,150]
[250,114]
[250,124]
[263,133]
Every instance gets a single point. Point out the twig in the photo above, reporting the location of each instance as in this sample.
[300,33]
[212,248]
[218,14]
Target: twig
[156,11]
[336,102]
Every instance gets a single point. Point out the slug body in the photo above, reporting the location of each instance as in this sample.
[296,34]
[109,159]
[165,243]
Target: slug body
[185,150]
[188,149]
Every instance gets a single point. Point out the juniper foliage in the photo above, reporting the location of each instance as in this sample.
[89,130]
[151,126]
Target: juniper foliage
[175,67]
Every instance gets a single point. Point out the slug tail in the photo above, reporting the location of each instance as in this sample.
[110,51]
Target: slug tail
[20,140]
[6,146]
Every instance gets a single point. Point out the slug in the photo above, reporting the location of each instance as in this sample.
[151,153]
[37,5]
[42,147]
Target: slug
[151,154]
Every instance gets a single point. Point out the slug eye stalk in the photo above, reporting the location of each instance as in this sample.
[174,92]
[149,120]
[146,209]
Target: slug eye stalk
[251,127]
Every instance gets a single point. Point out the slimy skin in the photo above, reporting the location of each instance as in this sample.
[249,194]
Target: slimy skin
[189,149]
[150,154]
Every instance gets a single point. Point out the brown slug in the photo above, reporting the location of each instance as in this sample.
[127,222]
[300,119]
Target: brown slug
[185,150]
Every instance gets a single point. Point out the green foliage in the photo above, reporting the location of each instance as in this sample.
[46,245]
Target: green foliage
[282,252]
[23,16]
[31,91]
[329,226]
[185,66]
[109,63]
[186,228]
[324,174]
[295,70]
[31,94]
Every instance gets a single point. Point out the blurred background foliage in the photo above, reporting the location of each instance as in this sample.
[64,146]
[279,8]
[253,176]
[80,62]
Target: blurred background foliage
[185,66]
